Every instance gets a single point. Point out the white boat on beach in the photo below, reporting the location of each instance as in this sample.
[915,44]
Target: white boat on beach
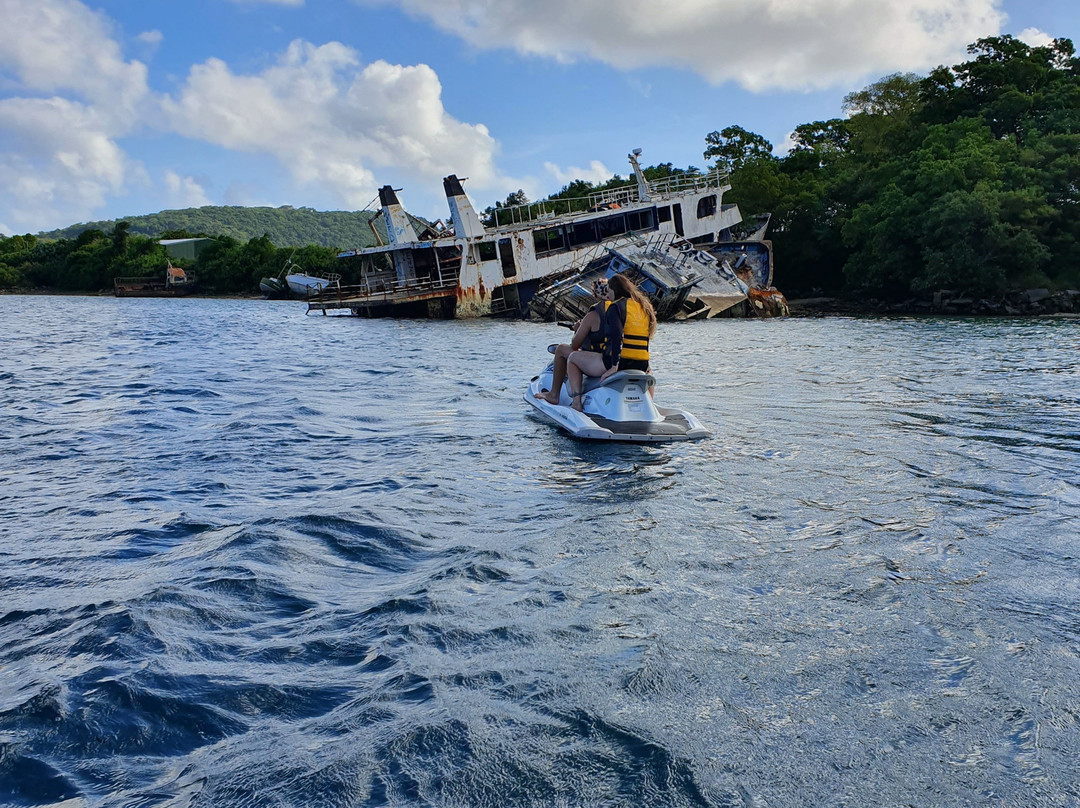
[304,285]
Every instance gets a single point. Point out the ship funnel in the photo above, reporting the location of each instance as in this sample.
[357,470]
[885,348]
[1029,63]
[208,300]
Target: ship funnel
[398,227]
[466,223]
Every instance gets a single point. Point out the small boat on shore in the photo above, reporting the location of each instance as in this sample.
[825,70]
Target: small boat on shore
[304,285]
[293,281]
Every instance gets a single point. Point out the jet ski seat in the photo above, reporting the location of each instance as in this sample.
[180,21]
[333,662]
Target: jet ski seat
[592,382]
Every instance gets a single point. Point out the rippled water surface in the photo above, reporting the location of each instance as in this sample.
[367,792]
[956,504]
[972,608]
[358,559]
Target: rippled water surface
[250,557]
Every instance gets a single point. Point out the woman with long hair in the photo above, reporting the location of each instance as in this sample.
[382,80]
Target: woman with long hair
[588,336]
[629,323]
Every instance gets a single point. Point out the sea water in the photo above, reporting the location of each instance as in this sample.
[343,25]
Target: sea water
[254,557]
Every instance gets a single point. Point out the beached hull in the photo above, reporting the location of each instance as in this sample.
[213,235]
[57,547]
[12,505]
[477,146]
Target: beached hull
[307,285]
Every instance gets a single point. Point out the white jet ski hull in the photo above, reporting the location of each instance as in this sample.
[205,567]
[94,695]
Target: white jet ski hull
[619,409]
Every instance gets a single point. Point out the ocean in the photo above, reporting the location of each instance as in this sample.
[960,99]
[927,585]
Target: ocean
[254,557]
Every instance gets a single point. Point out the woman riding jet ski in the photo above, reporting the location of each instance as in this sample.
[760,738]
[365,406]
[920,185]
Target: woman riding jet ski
[614,401]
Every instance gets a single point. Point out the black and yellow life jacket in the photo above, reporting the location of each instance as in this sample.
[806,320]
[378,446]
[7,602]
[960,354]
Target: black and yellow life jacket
[635,331]
[597,339]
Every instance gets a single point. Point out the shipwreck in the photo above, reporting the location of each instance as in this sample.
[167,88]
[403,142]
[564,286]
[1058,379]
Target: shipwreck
[673,236]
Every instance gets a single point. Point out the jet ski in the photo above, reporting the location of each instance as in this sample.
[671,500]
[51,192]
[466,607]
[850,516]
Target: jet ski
[619,408]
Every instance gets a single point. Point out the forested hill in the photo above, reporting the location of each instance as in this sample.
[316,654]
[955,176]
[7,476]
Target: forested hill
[284,226]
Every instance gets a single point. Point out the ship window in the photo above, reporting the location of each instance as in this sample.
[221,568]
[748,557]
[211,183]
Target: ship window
[642,219]
[583,233]
[423,261]
[706,206]
[486,250]
[549,240]
[506,255]
[611,226]
[663,214]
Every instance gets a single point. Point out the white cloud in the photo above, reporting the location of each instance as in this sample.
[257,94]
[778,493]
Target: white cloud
[597,172]
[772,44]
[151,38]
[54,46]
[786,145]
[71,98]
[1035,38]
[185,192]
[330,121]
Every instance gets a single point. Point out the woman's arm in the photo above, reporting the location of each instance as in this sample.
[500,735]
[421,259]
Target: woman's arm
[613,325]
[585,326]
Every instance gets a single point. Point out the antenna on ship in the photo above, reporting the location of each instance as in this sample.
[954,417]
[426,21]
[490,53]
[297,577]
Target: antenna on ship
[642,184]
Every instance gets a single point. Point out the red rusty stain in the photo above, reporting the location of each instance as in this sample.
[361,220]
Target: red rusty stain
[464,292]
[483,291]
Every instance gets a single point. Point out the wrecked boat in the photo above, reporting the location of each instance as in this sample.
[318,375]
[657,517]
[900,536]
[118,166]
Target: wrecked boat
[467,269]
[682,280]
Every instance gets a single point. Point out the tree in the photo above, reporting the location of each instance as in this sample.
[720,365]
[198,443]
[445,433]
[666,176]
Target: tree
[733,147]
[121,238]
[17,244]
[824,138]
[896,94]
[513,200]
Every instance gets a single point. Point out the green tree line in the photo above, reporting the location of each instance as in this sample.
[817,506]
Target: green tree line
[965,179]
[94,258]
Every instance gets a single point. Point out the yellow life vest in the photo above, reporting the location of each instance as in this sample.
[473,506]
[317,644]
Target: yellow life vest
[635,332]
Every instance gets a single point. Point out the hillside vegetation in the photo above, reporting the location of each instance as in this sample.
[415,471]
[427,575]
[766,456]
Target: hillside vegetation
[283,226]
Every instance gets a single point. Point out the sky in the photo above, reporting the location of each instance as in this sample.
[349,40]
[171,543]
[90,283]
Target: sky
[126,107]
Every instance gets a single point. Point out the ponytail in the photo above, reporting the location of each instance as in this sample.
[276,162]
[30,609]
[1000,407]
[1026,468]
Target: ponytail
[624,287]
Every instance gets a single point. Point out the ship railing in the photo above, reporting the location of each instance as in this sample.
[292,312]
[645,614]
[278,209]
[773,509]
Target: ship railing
[547,209]
[690,181]
[388,287]
[566,295]
[610,197]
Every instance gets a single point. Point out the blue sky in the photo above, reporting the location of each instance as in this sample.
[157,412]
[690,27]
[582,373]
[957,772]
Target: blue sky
[118,108]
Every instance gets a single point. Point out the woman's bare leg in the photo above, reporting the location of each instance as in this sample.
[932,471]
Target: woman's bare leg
[558,373]
[578,365]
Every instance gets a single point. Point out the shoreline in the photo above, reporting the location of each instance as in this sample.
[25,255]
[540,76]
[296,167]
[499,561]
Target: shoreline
[1019,303]
[109,293]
